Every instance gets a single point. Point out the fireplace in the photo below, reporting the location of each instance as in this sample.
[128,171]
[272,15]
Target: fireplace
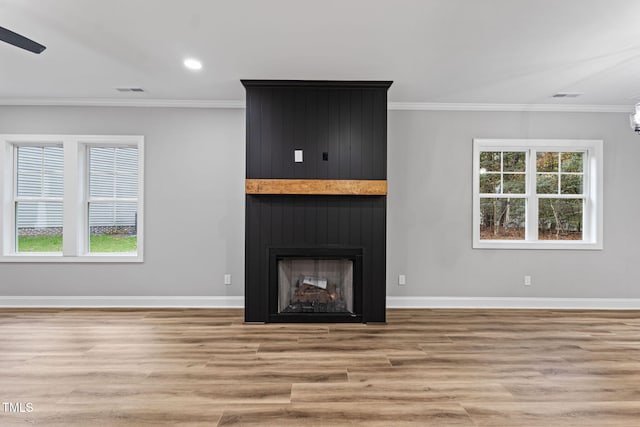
[318,284]
[315,201]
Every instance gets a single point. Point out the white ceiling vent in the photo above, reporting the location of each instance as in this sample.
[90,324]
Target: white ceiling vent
[568,94]
[129,89]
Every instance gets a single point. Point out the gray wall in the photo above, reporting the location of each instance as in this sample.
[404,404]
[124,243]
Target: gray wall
[430,196]
[195,158]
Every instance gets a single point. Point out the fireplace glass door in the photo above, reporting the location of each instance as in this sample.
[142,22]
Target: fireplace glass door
[315,285]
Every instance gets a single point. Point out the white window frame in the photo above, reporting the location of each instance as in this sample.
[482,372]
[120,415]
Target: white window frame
[75,242]
[593,192]
[15,198]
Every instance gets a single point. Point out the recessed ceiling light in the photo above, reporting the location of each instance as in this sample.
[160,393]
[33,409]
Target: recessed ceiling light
[192,64]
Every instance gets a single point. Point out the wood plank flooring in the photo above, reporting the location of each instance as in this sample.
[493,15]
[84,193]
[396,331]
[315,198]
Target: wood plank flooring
[119,367]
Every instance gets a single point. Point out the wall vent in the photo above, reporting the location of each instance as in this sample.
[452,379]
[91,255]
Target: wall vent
[129,89]
[567,94]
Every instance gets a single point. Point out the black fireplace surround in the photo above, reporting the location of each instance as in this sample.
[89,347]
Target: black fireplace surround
[341,127]
[318,226]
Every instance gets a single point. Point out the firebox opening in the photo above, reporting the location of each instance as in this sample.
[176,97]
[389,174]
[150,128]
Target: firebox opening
[315,285]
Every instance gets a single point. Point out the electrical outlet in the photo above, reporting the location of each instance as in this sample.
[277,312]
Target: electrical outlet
[402,280]
[227,279]
[527,280]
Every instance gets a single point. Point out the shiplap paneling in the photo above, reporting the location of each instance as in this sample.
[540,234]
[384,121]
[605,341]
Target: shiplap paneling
[312,222]
[349,124]
[341,128]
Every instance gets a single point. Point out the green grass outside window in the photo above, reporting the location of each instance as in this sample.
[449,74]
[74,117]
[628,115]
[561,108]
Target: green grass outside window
[98,244]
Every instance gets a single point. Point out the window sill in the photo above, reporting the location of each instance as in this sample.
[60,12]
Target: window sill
[59,258]
[547,245]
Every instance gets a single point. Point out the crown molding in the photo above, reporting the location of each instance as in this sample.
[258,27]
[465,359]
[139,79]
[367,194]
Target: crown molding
[113,102]
[399,106]
[554,108]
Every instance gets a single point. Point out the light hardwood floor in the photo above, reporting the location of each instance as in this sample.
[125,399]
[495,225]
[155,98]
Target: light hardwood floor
[82,367]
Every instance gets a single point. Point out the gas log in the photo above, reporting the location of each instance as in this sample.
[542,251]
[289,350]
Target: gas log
[306,293]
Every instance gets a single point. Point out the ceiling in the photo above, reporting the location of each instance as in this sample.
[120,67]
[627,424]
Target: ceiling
[435,51]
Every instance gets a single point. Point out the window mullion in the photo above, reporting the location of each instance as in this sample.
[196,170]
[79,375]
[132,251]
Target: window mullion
[70,229]
[14,202]
[112,199]
[560,172]
[8,167]
[38,199]
[83,194]
[587,208]
[532,198]
[502,172]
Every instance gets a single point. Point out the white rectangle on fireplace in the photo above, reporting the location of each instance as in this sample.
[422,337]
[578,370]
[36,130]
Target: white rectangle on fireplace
[315,281]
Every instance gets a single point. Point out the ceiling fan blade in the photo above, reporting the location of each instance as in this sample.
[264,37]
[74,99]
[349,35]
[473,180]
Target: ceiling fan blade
[20,41]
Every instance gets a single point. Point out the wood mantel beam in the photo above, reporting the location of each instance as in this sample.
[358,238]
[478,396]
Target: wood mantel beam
[317,187]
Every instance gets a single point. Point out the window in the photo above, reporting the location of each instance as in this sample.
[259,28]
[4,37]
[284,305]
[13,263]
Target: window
[37,198]
[537,194]
[71,198]
[112,201]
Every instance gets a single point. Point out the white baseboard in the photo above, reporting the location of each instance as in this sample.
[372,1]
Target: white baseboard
[515,302]
[392,302]
[124,301]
